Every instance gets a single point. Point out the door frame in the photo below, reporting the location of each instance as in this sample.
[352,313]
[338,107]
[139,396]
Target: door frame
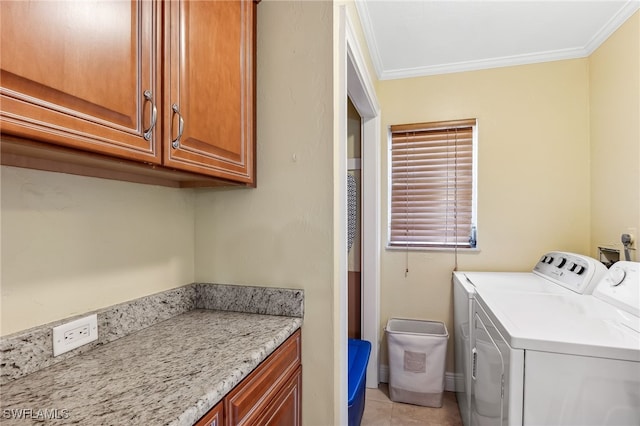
[360,90]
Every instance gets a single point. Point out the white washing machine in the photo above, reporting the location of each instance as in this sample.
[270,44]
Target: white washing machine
[555,358]
[554,273]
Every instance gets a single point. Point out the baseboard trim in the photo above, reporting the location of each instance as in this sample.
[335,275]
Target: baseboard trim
[449,378]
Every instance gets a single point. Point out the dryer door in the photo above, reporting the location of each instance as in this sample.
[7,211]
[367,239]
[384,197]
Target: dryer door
[487,373]
[462,315]
[497,374]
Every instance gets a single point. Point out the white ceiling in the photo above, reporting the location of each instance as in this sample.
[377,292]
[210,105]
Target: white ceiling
[410,38]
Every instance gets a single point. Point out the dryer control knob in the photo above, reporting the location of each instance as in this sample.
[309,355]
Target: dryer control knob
[616,276]
[560,262]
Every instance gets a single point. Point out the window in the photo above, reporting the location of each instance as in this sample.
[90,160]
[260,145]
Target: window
[432,180]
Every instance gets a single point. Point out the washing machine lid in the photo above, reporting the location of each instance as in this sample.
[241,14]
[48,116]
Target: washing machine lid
[562,323]
[511,282]
[555,272]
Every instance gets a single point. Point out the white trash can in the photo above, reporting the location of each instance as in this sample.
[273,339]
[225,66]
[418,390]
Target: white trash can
[417,356]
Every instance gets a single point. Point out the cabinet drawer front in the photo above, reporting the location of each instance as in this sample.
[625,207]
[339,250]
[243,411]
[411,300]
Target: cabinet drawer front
[249,399]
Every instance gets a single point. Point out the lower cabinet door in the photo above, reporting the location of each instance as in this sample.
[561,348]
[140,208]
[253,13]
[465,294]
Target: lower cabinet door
[213,417]
[285,409]
[247,402]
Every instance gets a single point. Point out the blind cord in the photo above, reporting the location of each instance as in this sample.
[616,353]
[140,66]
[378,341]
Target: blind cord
[406,205]
[455,198]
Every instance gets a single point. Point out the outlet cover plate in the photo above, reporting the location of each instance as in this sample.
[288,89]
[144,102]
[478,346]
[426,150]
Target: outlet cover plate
[74,334]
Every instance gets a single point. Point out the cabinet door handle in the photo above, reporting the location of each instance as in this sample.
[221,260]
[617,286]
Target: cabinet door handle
[154,115]
[176,142]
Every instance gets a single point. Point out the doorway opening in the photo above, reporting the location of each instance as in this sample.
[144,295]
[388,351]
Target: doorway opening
[361,94]
[354,275]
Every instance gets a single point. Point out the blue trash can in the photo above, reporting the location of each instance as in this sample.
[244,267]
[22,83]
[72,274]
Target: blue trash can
[359,351]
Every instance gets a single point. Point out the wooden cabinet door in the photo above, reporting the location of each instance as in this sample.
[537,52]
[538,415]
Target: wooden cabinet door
[286,407]
[247,402]
[213,417]
[209,115]
[75,73]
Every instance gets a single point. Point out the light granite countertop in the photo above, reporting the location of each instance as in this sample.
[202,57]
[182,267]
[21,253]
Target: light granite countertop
[170,373]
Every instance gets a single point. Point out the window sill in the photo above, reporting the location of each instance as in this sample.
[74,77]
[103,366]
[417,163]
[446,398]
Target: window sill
[473,250]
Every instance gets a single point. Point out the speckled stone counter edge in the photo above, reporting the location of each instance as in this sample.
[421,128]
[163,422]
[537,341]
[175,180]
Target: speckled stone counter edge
[30,350]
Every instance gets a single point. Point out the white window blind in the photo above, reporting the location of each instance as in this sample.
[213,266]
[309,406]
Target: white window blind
[432,185]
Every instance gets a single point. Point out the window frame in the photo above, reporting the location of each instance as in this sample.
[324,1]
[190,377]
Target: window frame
[424,246]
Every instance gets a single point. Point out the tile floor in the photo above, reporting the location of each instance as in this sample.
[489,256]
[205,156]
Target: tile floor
[379,410]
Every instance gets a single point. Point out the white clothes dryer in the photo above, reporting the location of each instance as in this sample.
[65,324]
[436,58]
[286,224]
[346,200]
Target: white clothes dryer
[550,358]
[554,273]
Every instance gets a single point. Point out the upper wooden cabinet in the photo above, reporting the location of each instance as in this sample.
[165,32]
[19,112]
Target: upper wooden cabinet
[209,121]
[161,85]
[76,73]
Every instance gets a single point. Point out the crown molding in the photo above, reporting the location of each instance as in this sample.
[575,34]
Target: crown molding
[600,37]
[612,25]
[507,61]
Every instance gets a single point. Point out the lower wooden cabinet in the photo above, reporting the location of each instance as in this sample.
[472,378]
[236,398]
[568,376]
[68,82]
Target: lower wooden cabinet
[270,395]
[285,407]
[213,417]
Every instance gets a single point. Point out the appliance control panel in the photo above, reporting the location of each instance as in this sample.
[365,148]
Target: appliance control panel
[574,271]
[621,287]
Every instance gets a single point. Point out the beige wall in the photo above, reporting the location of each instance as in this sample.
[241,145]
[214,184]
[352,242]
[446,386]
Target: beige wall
[533,174]
[614,83]
[282,233]
[74,244]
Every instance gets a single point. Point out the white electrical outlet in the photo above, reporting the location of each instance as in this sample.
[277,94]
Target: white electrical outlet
[74,334]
